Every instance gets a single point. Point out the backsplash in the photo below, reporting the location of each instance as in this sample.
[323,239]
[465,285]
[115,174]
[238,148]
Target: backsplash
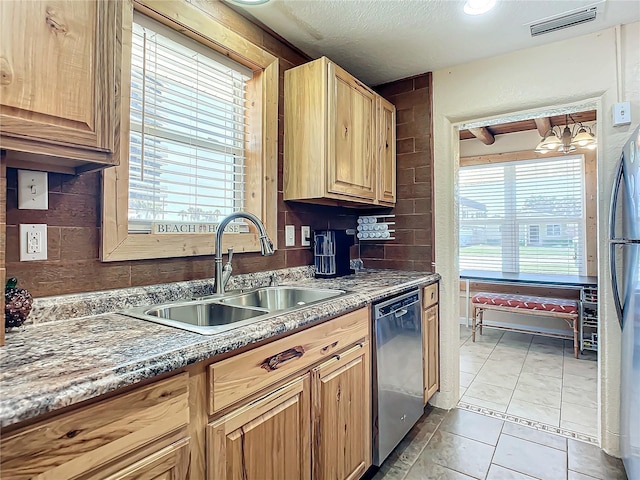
[73,264]
[412,248]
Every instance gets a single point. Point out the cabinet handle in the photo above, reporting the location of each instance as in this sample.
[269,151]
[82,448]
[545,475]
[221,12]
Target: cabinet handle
[272,363]
[339,355]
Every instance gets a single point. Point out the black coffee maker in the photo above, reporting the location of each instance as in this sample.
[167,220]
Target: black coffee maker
[331,253]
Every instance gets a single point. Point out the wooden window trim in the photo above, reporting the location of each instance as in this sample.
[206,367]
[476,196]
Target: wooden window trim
[262,151]
[590,193]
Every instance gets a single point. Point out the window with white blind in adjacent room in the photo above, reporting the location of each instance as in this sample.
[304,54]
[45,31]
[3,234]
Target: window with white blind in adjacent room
[188,128]
[524,216]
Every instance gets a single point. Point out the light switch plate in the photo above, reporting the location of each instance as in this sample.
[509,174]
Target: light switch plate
[33,241]
[33,190]
[289,235]
[621,113]
[305,236]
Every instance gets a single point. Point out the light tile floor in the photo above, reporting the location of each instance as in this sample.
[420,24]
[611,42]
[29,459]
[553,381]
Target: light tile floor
[463,445]
[531,377]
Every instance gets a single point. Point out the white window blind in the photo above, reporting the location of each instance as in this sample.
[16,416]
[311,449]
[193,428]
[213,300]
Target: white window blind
[525,216]
[188,123]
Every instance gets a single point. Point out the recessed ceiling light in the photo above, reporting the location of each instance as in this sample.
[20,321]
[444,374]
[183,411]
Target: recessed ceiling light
[478,7]
[249,2]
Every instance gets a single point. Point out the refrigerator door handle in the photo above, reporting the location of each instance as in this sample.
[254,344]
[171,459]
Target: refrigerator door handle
[614,281]
[613,241]
[613,209]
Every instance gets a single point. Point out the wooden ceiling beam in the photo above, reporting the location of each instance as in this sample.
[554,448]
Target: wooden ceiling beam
[483,134]
[543,125]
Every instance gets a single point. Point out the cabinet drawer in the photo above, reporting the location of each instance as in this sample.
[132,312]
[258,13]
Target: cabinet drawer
[243,375]
[430,295]
[73,443]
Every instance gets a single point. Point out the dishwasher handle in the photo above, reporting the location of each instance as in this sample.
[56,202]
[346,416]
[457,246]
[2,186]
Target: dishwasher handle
[400,313]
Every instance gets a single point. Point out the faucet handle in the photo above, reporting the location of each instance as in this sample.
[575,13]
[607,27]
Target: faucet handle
[230,253]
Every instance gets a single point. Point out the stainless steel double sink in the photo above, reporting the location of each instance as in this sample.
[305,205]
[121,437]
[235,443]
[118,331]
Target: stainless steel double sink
[215,314]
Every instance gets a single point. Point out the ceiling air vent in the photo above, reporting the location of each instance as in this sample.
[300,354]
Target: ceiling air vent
[565,21]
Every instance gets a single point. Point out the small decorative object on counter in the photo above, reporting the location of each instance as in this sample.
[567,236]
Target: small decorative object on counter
[17,304]
[375,227]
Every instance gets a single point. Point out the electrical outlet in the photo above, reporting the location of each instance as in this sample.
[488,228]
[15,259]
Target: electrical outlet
[33,242]
[305,236]
[33,190]
[289,235]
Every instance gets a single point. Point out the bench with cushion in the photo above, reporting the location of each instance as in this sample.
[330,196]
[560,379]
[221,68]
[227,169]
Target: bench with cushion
[525,304]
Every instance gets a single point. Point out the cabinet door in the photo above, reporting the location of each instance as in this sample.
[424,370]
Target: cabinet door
[341,400]
[352,137]
[169,463]
[431,356]
[92,438]
[58,84]
[386,152]
[267,438]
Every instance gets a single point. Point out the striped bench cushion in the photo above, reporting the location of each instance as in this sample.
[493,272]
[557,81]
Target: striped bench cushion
[526,302]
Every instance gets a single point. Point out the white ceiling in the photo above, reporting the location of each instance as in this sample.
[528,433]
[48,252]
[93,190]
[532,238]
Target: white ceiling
[383,40]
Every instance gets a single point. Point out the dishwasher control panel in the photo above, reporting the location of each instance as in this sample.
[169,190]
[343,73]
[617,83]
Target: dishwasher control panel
[398,303]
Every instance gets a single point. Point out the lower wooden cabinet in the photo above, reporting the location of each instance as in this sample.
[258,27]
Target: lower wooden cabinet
[317,425]
[342,415]
[169,463]
[431,353]
[308,416]
[267,438]
[87,442]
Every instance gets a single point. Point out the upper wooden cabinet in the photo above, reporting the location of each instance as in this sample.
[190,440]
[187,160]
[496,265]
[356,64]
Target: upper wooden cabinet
[386,152]
[58,83]
[339,139]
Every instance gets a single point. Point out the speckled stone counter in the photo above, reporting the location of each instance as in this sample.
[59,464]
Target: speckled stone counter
[59,361]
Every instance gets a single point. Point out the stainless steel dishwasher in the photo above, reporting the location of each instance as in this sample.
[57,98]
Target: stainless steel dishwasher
[397,372]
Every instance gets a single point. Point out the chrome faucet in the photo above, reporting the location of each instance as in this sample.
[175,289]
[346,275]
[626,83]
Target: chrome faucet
[266,247]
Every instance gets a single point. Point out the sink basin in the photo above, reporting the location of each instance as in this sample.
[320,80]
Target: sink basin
[203,314]
[218,314]
[280,298]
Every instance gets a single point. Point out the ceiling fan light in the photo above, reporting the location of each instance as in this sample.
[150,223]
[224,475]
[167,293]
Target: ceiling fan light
[541,148]
[583,138]
[550,142]
[478,7]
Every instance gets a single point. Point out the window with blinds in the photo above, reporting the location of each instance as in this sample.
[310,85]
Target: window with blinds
[523,217]
[188,126]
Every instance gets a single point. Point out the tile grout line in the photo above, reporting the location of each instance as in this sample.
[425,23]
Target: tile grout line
[519,374]
[495,449]
[424,446]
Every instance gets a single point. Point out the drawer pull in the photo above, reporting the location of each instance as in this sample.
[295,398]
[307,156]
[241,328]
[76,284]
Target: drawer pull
[272,363]
[339,356]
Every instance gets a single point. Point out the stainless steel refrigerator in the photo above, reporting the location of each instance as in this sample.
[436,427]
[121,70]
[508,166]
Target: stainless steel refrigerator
[625,277]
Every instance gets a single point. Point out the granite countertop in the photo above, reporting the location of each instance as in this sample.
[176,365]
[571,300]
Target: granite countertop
[52,364]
